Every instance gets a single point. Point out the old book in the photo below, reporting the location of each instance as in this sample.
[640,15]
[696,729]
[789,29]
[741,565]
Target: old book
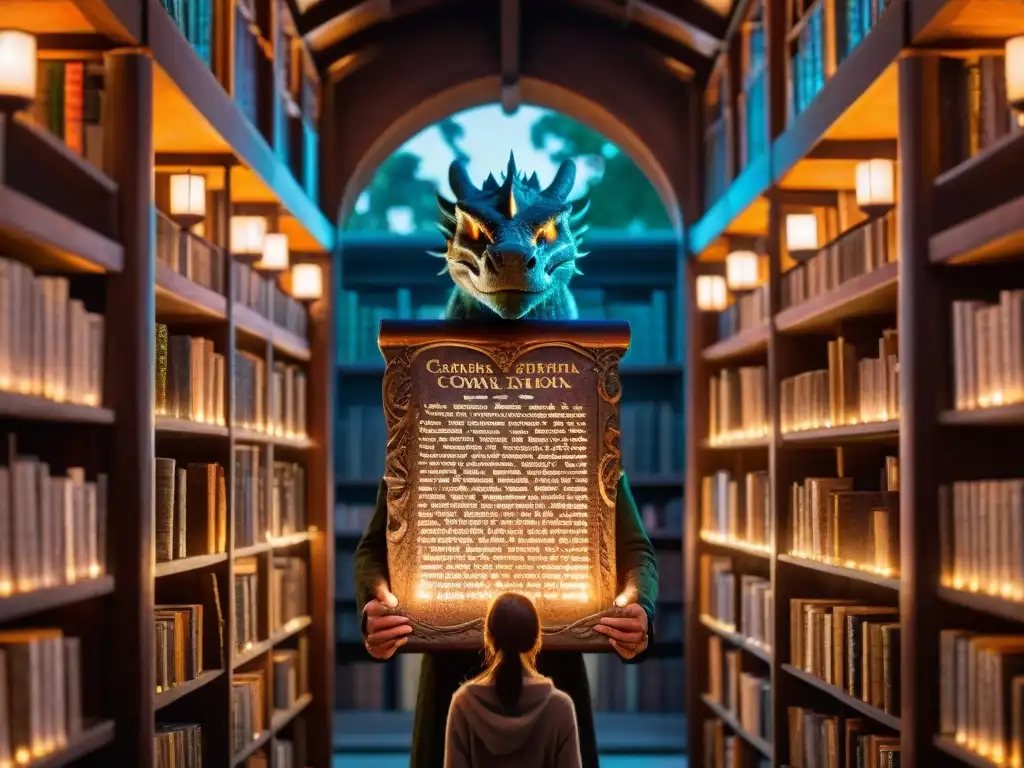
[201,509]
[891,668]
[220,620]
[160,390]
[855,647]
[180,531]
[164,509]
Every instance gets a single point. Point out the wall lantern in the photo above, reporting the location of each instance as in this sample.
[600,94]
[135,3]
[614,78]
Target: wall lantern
[1014,67]
[711,293]
[188,199]
[876,186]
[247,236]
[307,282]
[275,257]
[801,235]
[17,70]
[742,270]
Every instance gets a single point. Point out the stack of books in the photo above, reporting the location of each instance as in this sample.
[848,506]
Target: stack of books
[178,746]
[247,695]
[819,740]
[288,591]
[189,378]
[246,607]
[191,510]
[738,404]
[988,351]
[179,644]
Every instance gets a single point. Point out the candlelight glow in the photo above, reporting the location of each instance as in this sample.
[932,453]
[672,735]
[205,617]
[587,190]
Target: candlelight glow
[275,253]
[188,197]
[801,232]
[307,282]
[247,235]
[876,183]
[17,67]
[742,270]
[711,293]
[1014,68]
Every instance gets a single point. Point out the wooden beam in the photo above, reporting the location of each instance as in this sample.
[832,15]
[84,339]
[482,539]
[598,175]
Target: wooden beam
[693,14]
[848,149]
[511,41]
[805,197]
[663,21]
[196,159]
[322,13]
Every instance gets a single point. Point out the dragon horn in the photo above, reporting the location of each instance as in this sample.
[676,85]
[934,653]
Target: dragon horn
[438,254]
[577,215]
[533,182]
[460,182]
[512,171]
[490,183]
[447,208]
[561,186]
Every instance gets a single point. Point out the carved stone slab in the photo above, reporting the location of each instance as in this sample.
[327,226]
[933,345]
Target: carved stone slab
[502,467]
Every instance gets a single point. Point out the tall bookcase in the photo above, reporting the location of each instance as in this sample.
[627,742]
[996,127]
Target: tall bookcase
[631,277]
[910,502]
[93,390]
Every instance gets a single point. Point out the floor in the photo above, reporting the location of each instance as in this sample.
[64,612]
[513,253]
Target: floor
[369,760]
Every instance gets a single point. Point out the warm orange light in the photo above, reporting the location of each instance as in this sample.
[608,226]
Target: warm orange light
[307,282]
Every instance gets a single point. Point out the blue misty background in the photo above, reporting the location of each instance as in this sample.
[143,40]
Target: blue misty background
[631,274]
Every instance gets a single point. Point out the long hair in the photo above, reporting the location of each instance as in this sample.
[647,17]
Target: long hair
[512,640]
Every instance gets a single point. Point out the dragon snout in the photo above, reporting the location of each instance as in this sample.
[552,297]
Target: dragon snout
[510,256]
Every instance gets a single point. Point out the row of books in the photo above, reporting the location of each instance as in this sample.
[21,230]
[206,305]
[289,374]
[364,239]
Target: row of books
[818,740]
[50,345]
[288,499]
[248,59]
[737,510]
[849,391]
[360,315]
[189,378]
[979,113]
[195,20]
[750,310]
[981,693]
[264,296]
[743,693]
[178,745]
[40,693]
[670,575]
[248,692]
[718,600]
[190,509]
[718,590]
[723,749]
[69,103]
[275,404]
[290,669]
[988,351]
[179,644]
[251,515]
[288,591]
[664,519]
[738,404]
[189,255]
[246,608]
[850,645]
[53,528]
[981,530]
[834,523]
[866,247]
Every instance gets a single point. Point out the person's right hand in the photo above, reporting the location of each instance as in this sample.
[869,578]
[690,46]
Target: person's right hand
[385,633]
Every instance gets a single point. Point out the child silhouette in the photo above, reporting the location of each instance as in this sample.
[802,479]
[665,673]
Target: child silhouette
[511,716]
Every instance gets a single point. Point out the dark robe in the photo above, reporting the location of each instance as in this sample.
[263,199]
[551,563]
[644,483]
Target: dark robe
[443,672]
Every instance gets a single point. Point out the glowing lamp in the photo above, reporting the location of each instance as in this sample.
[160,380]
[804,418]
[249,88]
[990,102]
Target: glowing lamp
[188,199]
[275,257]
[876,185]
[711,295]
[307,282]
[17,70]
[802,235]
[742,270]
[247,236]
[1014,67]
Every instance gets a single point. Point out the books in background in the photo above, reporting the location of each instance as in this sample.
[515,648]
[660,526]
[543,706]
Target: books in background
[179,644]
[807,73]
[738,404]
[861,16]
[757,606]
[52,528]
[247,694]
[250,391]
[247,59]
[726,750]
[352,518]
[977,108]
[195,20]
[742,693]
[288,596]
[981,693]
[988,352]
[849,391]
[189,378]
[981,530]
[50,345]
[664,518]
[852,646]
[189,255]
[191,510]
[251,514]
[819,740]
[246,608]
[291,675]
[858,251]
[178,745]
[284,754]
[288,499]
[718,601]
[654,686]
[833,523]
[69,104]
[40,693]
[718,590]
[264,296]
[737,511]
[360,684]
[287,402]
[749,310]
[670,575]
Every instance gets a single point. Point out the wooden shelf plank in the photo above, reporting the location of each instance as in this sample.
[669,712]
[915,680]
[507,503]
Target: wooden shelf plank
[983,603]
[186,564]
[252,550]
[990,236]
[50,240]
[251,322]
[874,431]
[180,298]
[964,755]
[870,294]
[22,604]
[291,629]
[734,546]
[999,416]
[742,344]
[169,424]
[733,722]
[251,748]
[281,717]
[29,407]
[735,638]
[738,445]
[847,573]
[171,695]
[883,718]
[246,435]
[94,736]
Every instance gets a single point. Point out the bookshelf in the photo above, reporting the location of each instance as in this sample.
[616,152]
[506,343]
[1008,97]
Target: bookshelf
[184,544]
[628,276]
[893,498]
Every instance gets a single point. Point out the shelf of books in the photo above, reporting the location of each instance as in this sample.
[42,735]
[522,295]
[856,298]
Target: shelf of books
[163,509]
[854,504]
[642,291]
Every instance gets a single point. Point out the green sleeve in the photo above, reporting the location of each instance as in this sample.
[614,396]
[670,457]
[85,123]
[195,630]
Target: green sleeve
[371,557]
[635,562]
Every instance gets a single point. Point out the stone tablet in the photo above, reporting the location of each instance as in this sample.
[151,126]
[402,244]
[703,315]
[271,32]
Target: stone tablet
[502,468]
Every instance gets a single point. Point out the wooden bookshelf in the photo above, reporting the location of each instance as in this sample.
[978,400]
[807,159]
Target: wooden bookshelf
[91,219]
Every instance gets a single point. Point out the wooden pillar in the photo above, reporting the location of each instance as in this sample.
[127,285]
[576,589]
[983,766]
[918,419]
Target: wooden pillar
[923,314]
[775,42]
[129,391]
[320,498]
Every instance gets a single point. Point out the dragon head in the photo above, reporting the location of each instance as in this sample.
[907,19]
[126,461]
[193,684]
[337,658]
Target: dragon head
[512,246]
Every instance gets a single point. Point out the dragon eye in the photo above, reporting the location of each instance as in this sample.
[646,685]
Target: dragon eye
[471,227]
[548,233]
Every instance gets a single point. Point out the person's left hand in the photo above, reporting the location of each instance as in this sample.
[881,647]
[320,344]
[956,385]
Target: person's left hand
[627,635]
